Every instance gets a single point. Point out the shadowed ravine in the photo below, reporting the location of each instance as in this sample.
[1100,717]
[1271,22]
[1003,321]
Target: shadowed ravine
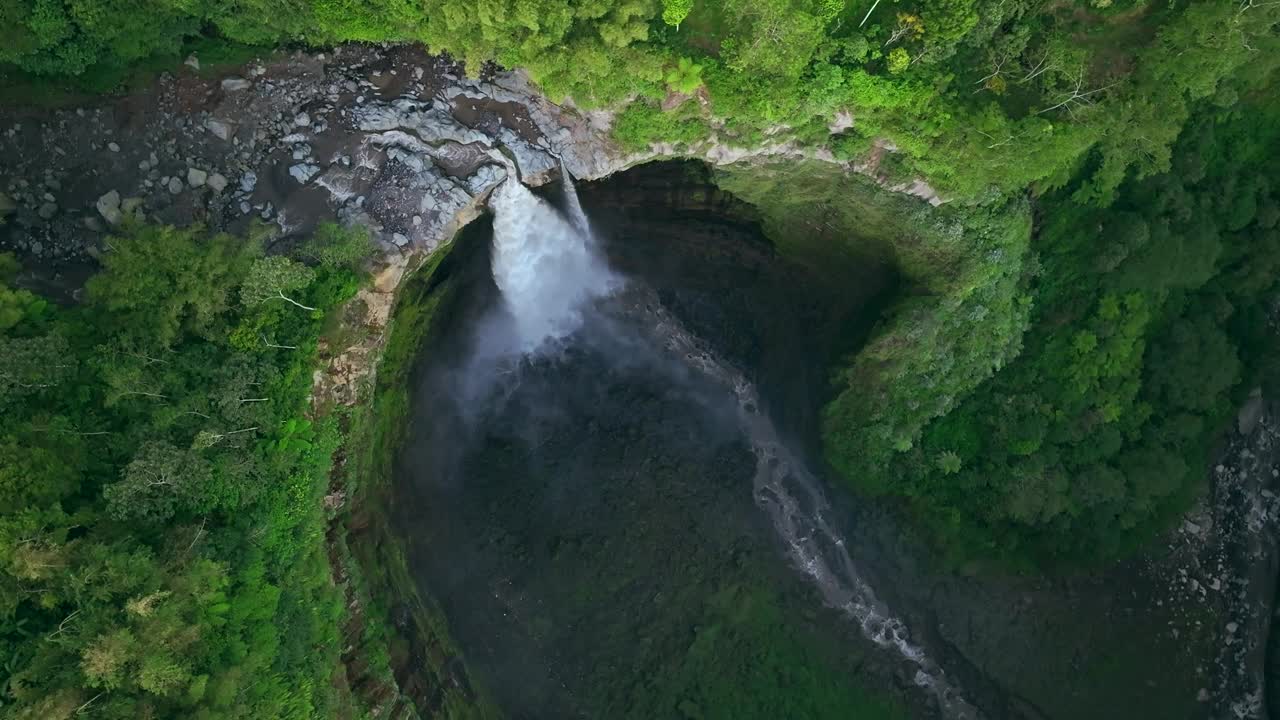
[567,347]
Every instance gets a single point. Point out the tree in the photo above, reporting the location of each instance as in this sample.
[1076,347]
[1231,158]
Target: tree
[899,60]
[271,277]
[160,481]
[675,11]
[336,246]
[33,364]
[157,279]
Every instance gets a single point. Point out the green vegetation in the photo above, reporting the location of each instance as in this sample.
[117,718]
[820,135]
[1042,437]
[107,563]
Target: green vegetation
[1145,324]
[1150,325]
[1070,336]
[161,538]
[978,96]
[374,558]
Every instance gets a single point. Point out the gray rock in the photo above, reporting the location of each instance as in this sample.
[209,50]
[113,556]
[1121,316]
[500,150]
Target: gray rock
[399,240]
[302,119]
[7,205]
[248,181]
[192,62]
[196,177]
[175,185]
[303,172]
[109,207]
[113,147]
[221,129]
[48,210]
[235,84]
[218,182]
[132,207]
[245,207]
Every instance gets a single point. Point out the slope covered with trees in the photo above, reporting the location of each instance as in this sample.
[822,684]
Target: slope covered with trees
[161,483]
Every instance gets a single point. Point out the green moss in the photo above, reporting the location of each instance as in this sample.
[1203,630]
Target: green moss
[378,569]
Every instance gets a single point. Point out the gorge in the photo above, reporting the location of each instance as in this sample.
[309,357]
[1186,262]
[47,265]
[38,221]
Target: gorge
[573,428]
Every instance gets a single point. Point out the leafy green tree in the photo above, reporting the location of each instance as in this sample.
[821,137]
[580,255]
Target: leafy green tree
[271,277]
[160,481]
[898,61]
[158,280]
[675,11]
[335,246]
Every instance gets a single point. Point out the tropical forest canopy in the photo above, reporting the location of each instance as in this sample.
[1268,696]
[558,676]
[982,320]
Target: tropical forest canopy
[1077,324]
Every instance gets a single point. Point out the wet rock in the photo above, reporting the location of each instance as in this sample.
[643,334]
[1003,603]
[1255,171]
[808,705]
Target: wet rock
[196,177]
[302,120]
[218,182]
[109,207]
[399,239]
[175,185]
[48,210]
[303,172]
[221,129]
[248,181]
[235,84]
[113,147]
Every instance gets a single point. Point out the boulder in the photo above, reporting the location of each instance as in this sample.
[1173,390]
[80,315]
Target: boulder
[196,177]
[218,182]
[235,84]
[303,172]
[109,207]
[221,129]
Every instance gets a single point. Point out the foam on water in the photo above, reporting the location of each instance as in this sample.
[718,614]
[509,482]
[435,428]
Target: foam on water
[546,266]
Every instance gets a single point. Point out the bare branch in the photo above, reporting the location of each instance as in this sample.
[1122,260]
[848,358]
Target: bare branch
[282,296]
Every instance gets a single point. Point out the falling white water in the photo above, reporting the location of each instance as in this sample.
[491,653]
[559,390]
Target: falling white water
[548,270]
[546,266]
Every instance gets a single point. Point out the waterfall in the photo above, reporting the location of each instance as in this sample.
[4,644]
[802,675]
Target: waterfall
[547,267]
[549,270]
